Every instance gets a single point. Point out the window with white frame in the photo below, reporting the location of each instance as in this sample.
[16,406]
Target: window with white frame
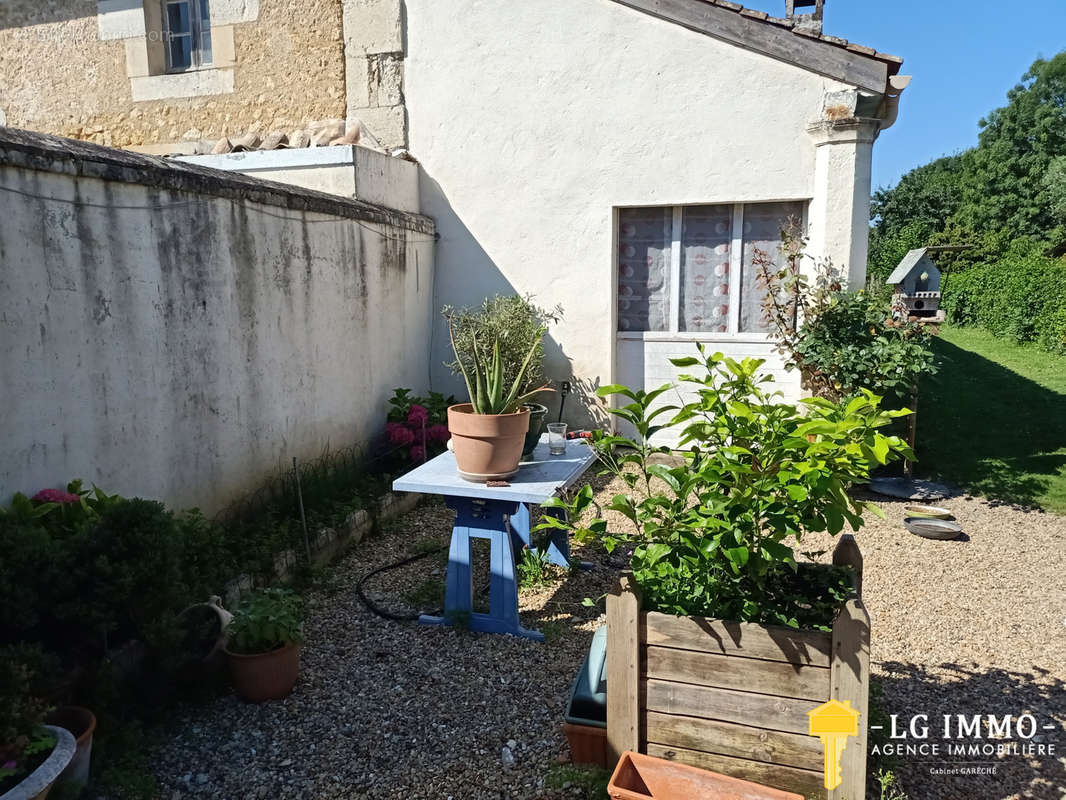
[689,270]
[187,29]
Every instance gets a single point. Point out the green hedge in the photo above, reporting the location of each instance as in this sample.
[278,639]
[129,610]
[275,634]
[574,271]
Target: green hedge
[1021,296]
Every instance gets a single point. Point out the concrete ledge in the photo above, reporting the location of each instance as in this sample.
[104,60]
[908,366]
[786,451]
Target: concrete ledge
[196,83]
[345,170]
[46,153]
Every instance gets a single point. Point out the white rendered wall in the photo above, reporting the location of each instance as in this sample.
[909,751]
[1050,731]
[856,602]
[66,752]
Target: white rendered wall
[181,346]
[534,120]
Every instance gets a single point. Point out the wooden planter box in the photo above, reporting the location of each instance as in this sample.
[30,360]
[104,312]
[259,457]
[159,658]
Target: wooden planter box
[733,697]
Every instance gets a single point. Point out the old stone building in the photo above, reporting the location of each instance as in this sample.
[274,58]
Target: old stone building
[167,75]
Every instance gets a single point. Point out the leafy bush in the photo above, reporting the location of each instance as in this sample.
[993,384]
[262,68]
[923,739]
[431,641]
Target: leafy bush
[1022,296]
[265,621]
[842,342]
[126,571]
[514,321]
[851,341]
[29,555]
[710,534]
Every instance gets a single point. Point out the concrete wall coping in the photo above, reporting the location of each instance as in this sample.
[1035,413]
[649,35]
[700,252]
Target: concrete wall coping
[282,158]
[47,153]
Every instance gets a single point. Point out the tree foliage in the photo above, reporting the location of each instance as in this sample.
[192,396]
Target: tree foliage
[1010,188]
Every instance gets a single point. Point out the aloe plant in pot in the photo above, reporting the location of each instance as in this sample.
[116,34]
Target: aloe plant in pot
[488,433]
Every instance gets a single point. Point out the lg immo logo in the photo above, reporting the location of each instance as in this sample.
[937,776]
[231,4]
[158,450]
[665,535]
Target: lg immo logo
[833,722]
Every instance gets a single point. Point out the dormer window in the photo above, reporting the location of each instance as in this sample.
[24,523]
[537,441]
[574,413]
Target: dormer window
[187,29]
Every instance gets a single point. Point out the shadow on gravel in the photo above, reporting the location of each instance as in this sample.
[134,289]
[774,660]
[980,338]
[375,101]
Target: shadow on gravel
[990,430]
[951,689]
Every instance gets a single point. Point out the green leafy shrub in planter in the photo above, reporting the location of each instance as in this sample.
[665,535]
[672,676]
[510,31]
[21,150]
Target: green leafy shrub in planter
[711,534]
[514,321]
[266,620]
[24,743]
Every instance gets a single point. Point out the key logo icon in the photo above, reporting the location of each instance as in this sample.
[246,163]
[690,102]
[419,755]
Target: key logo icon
[833,723]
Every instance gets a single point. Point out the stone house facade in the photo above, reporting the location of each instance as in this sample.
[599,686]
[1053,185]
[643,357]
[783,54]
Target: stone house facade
[99,70]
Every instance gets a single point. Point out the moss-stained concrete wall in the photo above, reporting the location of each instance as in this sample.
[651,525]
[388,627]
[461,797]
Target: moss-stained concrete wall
[58,76]
[176,332]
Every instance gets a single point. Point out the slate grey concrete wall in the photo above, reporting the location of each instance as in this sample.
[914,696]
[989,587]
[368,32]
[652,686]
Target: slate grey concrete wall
[177,332]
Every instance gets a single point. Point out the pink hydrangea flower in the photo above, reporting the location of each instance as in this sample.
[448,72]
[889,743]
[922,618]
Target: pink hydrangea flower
[399,434]
[56,496]
[418,453]
[437,433]
[418,415]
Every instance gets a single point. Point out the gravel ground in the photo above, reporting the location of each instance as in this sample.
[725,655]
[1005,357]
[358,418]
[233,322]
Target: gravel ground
[972,626]
[398,710]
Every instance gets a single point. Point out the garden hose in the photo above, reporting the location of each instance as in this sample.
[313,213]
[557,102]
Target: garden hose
[390,615]
[396,565]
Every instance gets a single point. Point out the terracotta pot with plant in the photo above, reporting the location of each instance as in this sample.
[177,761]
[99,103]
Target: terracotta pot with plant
[489,432]
[32,754]
[514,321]
[264,645]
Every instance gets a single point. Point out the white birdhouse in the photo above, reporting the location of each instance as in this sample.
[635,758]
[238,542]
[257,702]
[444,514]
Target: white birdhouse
[917,287]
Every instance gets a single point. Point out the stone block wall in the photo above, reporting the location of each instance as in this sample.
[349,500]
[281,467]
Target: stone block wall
[80,68]
[374,48]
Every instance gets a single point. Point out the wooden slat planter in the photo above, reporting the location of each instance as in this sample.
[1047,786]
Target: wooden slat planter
[733,697]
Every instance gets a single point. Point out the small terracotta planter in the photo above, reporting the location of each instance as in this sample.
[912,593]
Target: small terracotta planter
[488,447]
[81,722]
[265,676]
[640,777]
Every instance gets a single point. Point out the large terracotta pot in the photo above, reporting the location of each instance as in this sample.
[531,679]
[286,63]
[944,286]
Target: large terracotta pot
[487,447]
[265,676]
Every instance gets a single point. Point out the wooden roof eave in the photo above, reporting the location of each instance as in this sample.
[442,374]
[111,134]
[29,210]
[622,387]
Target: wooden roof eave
[806,51]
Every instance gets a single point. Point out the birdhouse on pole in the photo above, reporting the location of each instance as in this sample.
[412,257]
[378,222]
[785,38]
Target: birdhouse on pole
[917,287]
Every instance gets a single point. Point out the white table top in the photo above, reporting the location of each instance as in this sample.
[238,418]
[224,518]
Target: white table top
[538,479]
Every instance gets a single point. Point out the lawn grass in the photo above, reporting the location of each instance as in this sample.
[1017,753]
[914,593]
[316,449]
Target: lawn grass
[993,420]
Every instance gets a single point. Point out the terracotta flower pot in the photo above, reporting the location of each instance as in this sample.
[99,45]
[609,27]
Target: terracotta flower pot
[81,722]
[265,676]
[641,777]
[487,447]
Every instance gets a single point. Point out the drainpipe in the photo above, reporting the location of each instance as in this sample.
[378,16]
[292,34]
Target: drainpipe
[890,105]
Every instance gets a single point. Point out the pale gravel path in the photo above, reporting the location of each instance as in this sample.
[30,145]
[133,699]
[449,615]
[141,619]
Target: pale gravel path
[972,627]
[392,710]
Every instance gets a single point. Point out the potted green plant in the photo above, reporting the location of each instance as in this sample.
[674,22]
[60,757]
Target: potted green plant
[32,754]
[721,639]
[264,644]
[488,433]
[513,320]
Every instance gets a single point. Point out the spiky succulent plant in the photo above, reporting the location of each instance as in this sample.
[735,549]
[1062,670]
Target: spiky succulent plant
[485,381]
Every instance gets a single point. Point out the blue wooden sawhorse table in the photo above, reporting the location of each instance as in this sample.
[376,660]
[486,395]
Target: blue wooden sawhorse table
[502,514]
